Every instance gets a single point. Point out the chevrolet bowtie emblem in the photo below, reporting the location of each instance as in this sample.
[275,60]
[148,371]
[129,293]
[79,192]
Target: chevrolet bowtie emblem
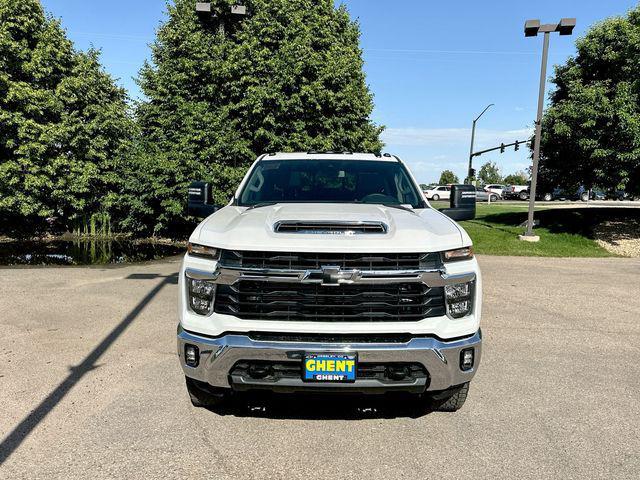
[331,275]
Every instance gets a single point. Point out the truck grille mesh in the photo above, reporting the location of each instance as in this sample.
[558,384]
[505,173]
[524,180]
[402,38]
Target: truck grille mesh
[394,302]
[303,261]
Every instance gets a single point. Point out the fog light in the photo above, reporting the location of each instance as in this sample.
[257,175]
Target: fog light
[191,355]
[466,359]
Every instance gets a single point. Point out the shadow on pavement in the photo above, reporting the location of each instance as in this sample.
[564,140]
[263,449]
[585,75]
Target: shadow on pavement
[320,406]
[12,441]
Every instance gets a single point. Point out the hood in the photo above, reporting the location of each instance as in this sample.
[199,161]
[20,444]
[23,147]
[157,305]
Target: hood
[241,228]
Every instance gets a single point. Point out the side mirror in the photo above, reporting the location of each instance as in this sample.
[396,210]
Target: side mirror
[463,203]
[200,203]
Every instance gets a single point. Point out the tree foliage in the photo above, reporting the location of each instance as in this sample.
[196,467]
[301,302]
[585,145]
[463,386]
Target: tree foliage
[489,173]
[591,131]
[287,77]
[63,121]
[517,178]
[447,177]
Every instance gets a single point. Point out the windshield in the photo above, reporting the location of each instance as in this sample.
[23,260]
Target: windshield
[323,181]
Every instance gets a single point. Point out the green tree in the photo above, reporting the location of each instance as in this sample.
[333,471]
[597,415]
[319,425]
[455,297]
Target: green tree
[63,121]
[286,77]
[517,178]
[447,177]
[489,173]
[591,130]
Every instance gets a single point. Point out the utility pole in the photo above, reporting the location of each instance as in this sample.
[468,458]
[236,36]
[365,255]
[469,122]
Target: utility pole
[473,137]
[531,29]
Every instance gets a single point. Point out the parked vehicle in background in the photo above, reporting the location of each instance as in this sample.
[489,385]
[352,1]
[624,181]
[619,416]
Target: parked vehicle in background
[581,194]
[540,195]
[483,195]
[619,195]
[512,192]
[440,192]
[495,188]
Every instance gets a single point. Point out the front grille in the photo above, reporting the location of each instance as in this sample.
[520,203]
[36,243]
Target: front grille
[304,261]
[394,302]
[331,228]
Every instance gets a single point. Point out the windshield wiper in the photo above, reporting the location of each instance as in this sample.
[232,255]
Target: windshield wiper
[264,204]
[397,205]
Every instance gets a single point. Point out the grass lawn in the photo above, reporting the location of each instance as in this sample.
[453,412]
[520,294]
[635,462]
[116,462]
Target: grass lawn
[563,232]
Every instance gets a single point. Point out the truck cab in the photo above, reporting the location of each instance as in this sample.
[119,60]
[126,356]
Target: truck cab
[330,273]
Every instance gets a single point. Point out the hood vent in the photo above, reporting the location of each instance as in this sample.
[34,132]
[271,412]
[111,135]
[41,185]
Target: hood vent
[330,227]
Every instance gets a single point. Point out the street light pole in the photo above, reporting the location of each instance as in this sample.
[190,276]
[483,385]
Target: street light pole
[205,11]
[536,143]
[531,29]
[473,137]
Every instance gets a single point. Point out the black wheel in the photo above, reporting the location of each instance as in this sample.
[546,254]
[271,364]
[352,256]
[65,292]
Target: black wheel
[523,195]
[204,395]
[547,197]
[450,400]
[584,197]
[435,198]
[494,198]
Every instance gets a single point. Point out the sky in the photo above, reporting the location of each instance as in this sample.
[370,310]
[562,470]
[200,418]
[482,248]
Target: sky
[432,66]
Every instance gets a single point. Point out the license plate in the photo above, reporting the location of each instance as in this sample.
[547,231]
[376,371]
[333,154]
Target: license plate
[329,367]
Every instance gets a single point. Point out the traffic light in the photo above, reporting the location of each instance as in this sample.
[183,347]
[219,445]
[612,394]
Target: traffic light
[472,173]
[502,148]
[517,145]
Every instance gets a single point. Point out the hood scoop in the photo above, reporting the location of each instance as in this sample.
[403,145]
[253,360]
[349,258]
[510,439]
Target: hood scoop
[330,227]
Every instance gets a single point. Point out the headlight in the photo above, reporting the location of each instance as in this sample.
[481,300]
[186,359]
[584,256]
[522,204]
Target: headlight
[201,294]
[202,251]
[465,253]
[459,298]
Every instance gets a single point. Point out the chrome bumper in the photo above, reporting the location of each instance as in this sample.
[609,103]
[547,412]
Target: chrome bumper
[219,355]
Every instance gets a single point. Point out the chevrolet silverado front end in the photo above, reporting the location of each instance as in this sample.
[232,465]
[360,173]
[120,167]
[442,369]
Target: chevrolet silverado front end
[330,273]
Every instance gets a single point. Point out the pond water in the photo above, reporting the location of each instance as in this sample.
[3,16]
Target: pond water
[83,252]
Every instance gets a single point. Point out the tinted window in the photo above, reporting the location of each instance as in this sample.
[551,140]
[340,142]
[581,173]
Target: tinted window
[341,181]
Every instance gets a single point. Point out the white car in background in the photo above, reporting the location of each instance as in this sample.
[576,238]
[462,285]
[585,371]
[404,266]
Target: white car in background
[495,188]
[440,192]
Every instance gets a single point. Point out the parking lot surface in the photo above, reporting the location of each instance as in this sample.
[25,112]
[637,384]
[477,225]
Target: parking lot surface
[90,387]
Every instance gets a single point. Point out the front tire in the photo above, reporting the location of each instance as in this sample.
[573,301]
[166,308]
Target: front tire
[204,395]
[494,198]
[547,197]
[435,198]
[450,400]
[584,197]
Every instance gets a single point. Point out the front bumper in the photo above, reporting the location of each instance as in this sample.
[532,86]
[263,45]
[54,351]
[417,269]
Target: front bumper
[218,356]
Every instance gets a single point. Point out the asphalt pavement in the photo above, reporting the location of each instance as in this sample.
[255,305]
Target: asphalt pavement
[90,387]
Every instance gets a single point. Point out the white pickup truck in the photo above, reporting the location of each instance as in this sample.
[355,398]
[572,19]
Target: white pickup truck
[330,273]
